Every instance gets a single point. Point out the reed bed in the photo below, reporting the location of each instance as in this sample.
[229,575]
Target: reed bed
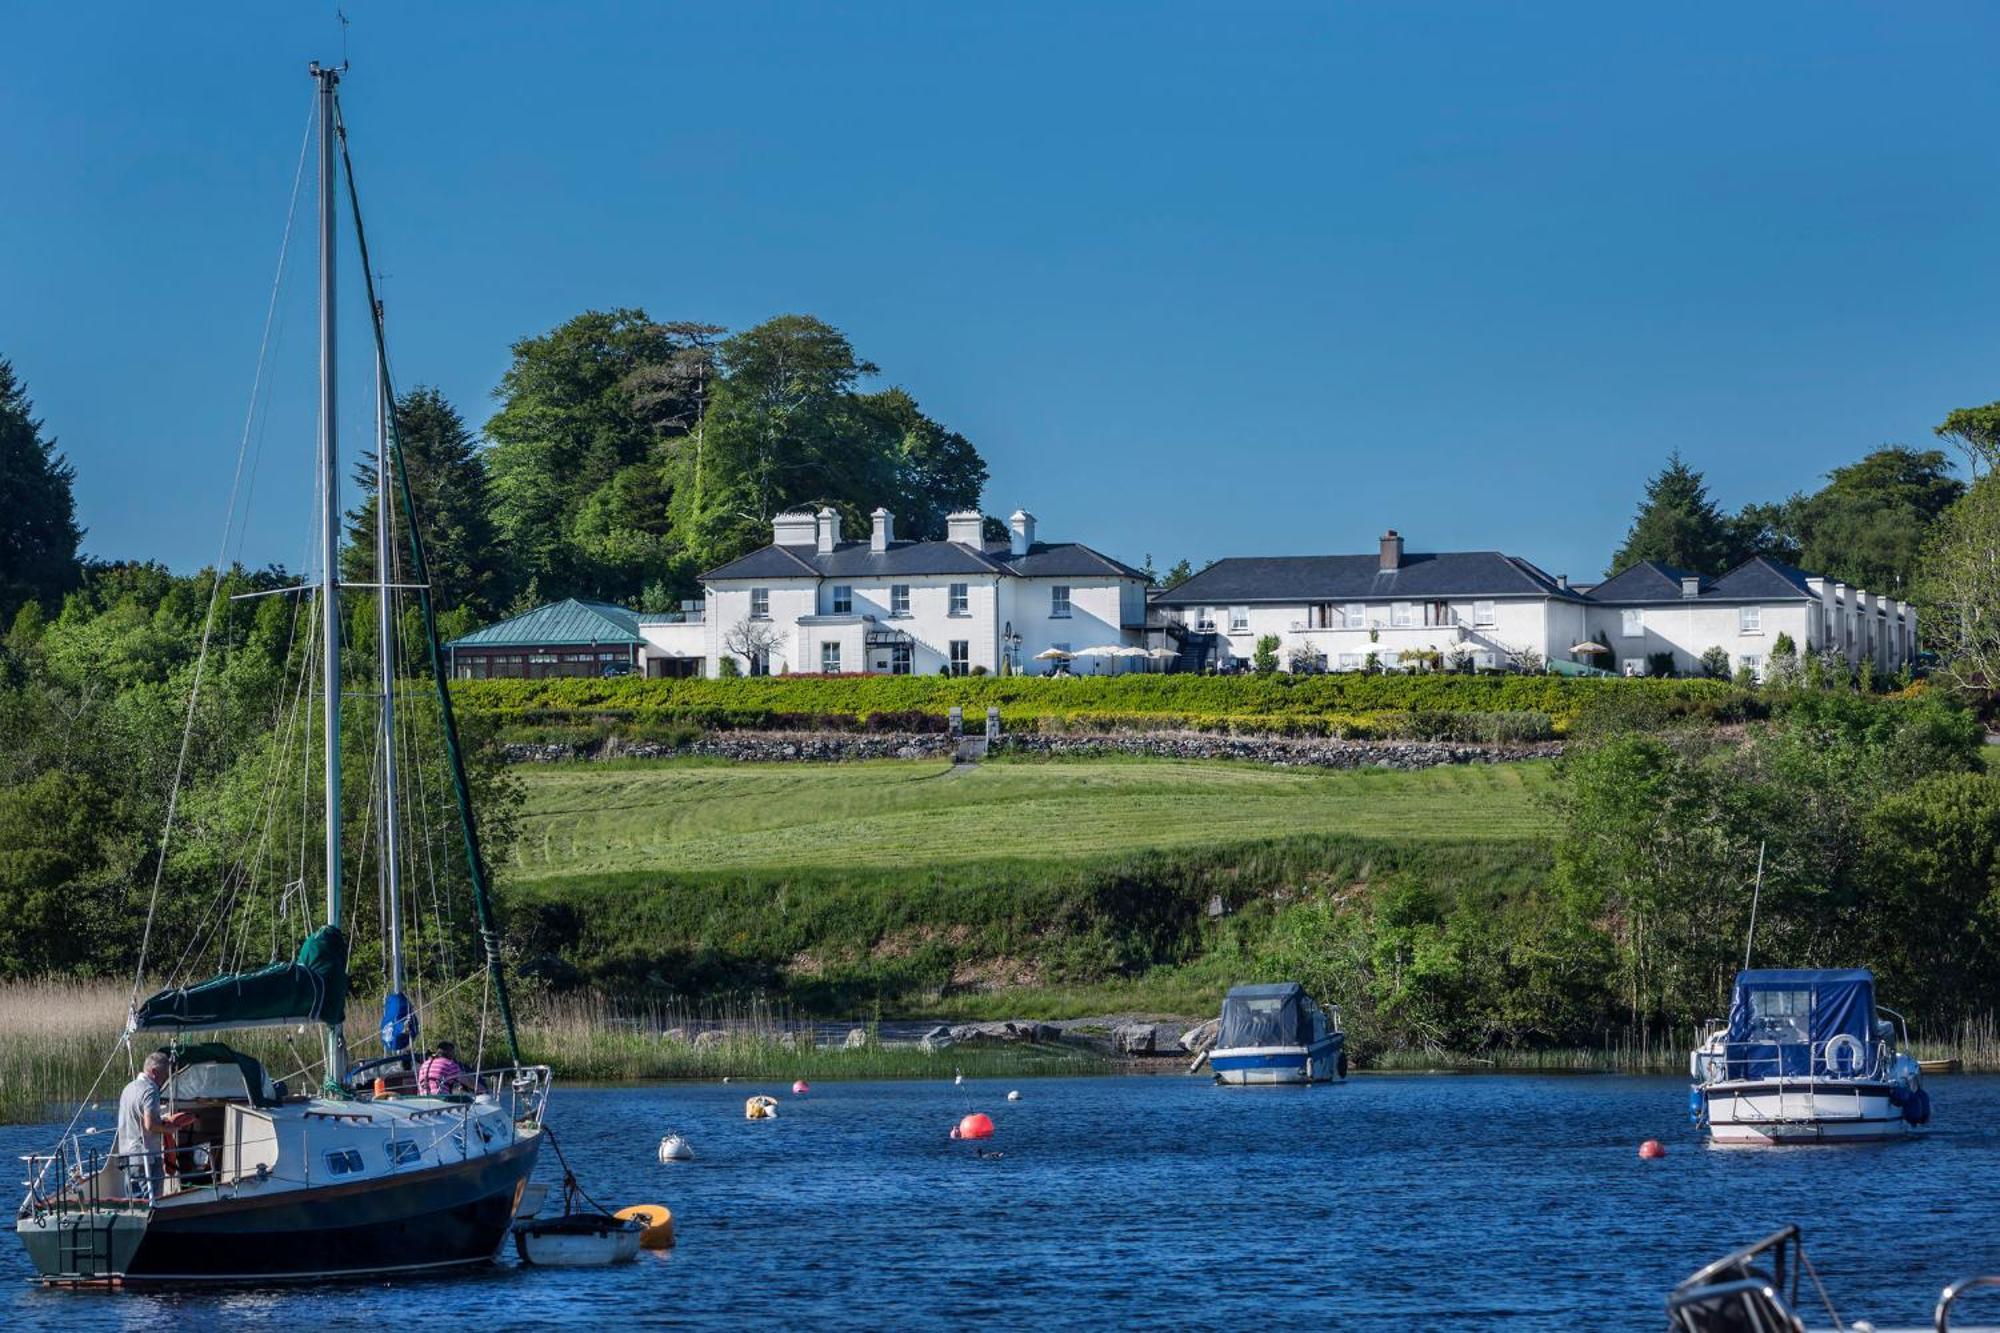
[59,1038]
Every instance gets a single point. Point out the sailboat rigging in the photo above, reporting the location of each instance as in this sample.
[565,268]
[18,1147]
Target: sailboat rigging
[347,1179]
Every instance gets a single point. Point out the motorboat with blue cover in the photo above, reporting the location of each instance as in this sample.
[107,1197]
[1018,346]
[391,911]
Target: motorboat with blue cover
[1275,1033]
[1806,1056]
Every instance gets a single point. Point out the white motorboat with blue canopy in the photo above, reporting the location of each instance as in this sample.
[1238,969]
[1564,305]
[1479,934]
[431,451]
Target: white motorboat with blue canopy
[1806,1056]
[1276,1033]
[359,1172]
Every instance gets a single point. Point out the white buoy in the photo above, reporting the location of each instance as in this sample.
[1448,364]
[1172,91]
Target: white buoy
[674,1148]
[1013,1096]
[957,1079]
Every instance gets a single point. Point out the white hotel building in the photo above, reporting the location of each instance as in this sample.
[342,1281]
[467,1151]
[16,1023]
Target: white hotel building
[813,601]
[1497,609]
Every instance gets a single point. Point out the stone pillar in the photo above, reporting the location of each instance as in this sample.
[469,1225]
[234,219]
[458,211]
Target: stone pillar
[992,723]
[957,720]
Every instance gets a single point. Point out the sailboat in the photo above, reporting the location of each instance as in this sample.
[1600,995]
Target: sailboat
[365,1175]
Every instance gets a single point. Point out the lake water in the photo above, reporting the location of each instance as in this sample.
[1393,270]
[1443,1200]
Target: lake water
[1419,1201]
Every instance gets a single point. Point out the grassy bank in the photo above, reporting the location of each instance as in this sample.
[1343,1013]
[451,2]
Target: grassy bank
[583,821]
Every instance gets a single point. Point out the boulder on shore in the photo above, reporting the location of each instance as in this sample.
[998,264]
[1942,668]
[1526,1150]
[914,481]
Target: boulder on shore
[857,1039]
[1200,1037]
[1142,1038]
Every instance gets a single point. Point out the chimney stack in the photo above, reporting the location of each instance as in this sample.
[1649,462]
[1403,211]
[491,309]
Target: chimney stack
[964,527]
[829,529]
[885,530]
[1562,582]
[793,528]
[1690,585]
[1392,552]
[1022,526]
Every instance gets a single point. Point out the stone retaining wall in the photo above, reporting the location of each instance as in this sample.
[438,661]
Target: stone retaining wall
[826,747]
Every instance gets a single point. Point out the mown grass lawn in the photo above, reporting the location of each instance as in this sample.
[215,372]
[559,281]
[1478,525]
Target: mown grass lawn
[693,816]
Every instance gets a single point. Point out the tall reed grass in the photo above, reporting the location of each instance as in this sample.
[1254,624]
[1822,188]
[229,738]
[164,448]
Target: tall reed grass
[59,1045]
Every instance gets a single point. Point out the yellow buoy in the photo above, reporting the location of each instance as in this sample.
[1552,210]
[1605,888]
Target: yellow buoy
[761,1108]
[658,1221]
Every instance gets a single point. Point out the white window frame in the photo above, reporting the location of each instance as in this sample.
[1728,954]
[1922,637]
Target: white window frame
[1632,623]
[1354,615]
[899,599]
[959,655]
[1059,601]
[902,659]
[1482,615]
[1402,615]
[760,603]
[829,658]
[1753,663]
[843,599]
[1353,661]
[1204,619]
[1749,620]
[959,601]
[1239,620]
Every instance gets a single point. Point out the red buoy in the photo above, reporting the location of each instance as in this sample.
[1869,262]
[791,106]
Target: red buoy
[801,1088]
[1652,1148]
[978,1125]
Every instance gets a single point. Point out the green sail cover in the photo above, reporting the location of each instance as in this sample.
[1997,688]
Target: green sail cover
[312,989]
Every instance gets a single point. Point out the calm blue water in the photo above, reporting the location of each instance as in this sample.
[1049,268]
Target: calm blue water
[1485,1201]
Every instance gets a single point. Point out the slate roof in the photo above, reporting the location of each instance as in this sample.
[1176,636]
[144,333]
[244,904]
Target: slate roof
[857,560]
[1333,578]
[569,621]
[1758,579]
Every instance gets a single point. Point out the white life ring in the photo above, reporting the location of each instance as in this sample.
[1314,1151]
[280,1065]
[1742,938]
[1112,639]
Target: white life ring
[1848,1042]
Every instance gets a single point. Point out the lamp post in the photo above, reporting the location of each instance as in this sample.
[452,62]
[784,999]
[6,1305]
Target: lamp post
[1013,644]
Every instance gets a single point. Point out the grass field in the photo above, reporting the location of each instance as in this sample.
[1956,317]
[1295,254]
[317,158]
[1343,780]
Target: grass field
[675,817]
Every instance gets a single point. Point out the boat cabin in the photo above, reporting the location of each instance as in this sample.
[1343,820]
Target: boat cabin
[1805,1023]
[1275,1014]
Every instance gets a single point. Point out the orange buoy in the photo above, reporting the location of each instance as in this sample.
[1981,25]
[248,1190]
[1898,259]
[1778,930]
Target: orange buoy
[978,1125]
[801,1088]
[1652,1148]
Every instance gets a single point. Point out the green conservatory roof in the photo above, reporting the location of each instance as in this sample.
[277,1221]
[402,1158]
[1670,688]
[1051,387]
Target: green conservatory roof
[564,622]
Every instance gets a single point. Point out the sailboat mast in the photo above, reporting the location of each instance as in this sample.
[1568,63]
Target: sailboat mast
[385,628]
[329,575]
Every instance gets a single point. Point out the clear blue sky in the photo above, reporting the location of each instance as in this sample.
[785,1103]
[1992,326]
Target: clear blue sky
[1199,280]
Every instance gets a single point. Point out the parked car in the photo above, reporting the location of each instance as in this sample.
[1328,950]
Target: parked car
[617,669]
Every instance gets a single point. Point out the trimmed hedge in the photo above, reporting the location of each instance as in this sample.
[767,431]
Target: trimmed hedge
[1361,706]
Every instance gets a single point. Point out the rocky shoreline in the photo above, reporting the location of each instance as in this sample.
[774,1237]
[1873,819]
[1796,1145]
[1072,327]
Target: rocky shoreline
[841,747]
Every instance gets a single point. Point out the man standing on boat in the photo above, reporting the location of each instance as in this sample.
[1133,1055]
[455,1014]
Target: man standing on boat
[142,1130]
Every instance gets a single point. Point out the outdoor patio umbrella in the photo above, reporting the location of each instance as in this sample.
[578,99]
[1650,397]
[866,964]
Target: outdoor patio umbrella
[1589,647]
[1052,655]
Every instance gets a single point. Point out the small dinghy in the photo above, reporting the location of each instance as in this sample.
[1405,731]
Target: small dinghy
[578,1240]
[584,1236]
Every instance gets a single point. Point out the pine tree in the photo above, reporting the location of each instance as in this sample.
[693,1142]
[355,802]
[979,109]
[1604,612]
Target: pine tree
[38,531]
[1677,524]
[454,506]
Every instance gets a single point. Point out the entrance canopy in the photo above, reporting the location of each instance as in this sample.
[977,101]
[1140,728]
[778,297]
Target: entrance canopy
[1782,1018]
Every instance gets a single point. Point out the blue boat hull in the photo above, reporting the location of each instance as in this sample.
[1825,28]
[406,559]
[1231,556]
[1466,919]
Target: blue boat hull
[1322,1062]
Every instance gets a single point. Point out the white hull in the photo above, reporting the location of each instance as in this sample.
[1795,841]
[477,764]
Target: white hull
[1822,1111]
[585,1251]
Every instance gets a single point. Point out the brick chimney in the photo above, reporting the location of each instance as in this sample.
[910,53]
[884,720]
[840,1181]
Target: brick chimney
[1021,530]
[885,530]
[1392,552]
[829,529]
